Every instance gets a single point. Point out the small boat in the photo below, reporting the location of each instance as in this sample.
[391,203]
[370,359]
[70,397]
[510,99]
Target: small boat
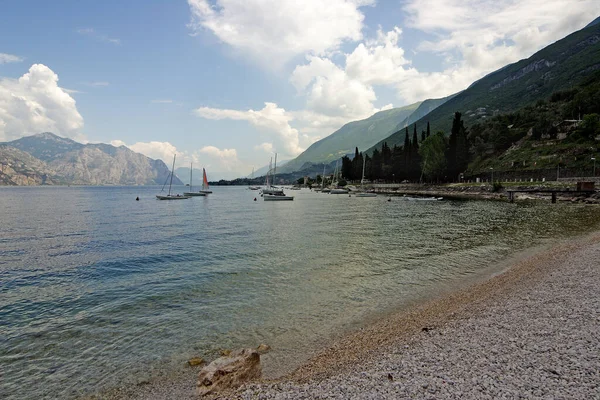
[363,192]
[205,189]
[172,196]
[252,177]
[277,197]
[335,189]
[422,198]
[190,193]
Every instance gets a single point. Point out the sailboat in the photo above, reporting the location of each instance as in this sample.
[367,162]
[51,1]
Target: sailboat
[252,177]
[191,193]
[172,196]
[335,189]
[269,188]
[271,193]
[205,189]
[364,193]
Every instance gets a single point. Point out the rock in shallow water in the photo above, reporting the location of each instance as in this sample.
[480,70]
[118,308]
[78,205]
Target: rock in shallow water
[229,371]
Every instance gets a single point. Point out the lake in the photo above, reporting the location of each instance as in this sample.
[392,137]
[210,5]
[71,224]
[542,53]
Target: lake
[99,290]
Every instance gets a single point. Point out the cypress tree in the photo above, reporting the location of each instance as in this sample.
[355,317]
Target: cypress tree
[415,159]
[428,130]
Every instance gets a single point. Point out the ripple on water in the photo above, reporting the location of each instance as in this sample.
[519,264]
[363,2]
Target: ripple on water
[99,290]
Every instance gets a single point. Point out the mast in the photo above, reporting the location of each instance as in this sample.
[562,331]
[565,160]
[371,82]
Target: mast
[275,169]
[363,174]
[172,171]
[190,177]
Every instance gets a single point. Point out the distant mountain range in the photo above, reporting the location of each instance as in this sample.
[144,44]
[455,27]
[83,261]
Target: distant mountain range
[559,66]
[48,159]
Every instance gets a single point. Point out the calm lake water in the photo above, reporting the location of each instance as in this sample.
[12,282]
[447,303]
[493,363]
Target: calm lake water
[99,290]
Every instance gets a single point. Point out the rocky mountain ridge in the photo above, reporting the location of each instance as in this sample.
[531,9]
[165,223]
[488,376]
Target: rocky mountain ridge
[48,159]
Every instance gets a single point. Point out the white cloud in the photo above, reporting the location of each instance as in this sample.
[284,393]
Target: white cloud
[156,150]
[476,37]
[224,162]
[35,103]
[281,29]
[71,91]
[266,147]
[97,84]
[9,58]
[272,119]
[98,36]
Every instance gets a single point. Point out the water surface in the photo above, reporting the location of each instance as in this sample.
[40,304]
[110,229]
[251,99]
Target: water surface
[99,290]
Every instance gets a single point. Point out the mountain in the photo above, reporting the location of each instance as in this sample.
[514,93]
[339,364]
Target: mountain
[361,134]
[46,158]
[262,171]
[558,66]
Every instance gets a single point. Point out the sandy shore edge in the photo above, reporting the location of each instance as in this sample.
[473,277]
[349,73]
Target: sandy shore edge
[408,328]
[404,328]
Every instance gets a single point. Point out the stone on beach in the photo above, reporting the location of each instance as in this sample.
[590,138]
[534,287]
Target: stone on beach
[263,348]
[192,362]
[229,371]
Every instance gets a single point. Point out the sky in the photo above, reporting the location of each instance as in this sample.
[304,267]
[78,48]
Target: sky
[227,83]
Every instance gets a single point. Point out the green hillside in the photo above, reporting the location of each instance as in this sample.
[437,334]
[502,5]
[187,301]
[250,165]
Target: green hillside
[362,134]
[559,66]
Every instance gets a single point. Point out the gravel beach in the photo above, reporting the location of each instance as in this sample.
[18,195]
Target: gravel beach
[530,332]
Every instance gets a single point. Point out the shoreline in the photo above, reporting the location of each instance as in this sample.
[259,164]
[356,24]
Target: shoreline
[348,358]
[484,191]
[394,332]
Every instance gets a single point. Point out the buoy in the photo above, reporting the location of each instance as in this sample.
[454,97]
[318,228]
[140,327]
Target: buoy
[390,199]
[137,199]
[255,199]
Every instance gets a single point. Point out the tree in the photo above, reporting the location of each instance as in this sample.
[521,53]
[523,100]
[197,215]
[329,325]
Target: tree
[347,168]
[433,155]
[428,130]
[458,147]
[590,127]
[415,158]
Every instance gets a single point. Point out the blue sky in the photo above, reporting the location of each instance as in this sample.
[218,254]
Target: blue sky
[226,83]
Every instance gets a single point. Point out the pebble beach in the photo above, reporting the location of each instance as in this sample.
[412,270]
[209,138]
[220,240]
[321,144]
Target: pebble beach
[532,331]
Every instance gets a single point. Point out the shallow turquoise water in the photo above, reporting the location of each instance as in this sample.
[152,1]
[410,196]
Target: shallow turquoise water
[98,290]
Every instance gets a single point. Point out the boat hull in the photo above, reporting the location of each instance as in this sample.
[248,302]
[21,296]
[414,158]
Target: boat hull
[206,191]
[271,197]
[191,194]
[172,197]
[338,191]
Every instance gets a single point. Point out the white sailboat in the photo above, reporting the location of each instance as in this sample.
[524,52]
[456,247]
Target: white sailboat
[271,193]
[205,189]
[172,196]
[269,188]
[192,193]
[335,189]
[364,193]
[252,177]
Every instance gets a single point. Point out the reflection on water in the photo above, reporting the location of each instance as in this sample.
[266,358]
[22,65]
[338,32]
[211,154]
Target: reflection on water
[98,289]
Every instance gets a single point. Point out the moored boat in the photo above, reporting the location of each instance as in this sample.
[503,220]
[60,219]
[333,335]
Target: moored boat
[170,196]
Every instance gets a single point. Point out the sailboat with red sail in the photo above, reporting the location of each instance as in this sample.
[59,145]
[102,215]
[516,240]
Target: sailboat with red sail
[205,188]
